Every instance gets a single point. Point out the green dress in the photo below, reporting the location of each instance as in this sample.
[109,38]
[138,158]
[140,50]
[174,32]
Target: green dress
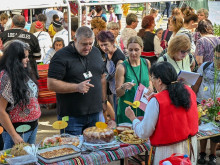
[129,95]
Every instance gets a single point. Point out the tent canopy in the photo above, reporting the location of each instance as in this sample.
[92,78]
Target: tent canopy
[30,4]
[8,5]
[108,2]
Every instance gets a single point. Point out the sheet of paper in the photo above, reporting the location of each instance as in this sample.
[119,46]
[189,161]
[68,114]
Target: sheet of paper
[189,77]
[143,98]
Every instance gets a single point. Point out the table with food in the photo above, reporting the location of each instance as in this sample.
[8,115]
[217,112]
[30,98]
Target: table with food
[98,145]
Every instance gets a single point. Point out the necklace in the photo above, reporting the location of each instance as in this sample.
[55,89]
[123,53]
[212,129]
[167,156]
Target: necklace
[139,81]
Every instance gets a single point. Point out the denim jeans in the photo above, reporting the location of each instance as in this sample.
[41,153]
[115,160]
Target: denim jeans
[76,125]
[29,137]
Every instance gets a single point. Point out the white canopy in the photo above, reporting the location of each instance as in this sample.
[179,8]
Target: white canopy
[108,2]
[7,5]
[30,4]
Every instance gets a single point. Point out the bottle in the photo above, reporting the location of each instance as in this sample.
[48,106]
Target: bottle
[167,163]
[184,161]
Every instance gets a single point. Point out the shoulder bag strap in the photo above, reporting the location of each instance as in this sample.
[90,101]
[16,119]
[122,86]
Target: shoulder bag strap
[210,42]
[165,35]
[38,35]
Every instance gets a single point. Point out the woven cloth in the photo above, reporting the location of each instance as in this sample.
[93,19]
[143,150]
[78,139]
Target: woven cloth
[104,157]
[45,96]
[208,133]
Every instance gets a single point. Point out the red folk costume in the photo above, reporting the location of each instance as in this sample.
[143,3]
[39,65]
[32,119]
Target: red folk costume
[174,124]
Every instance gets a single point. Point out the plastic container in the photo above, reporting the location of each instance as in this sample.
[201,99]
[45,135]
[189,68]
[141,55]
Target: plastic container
[21,160]
[184,161]
[167,163]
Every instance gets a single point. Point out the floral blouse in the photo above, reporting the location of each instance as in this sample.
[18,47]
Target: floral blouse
[16,113]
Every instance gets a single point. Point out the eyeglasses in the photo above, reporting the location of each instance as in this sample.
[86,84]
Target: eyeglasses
[152,77]
[174,19]
[115,29]
[185,51]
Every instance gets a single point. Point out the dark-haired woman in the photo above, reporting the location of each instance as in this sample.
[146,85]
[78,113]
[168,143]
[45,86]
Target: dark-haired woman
[151,44]
[18,95]
[206,44]
[114,56]
[190,24]
[171,116]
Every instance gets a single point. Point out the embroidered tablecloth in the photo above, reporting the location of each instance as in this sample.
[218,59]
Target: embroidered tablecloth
[104,157]
[208,134]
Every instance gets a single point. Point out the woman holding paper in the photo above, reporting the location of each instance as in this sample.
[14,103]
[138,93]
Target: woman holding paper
[18,96]
[171,116]
[178,54]
[132,72]
[204,88]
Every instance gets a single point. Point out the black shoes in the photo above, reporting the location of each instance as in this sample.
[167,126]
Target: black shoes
[212,159]
[201,159]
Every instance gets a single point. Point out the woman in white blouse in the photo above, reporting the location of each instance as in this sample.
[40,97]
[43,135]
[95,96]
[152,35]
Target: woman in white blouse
[171,117]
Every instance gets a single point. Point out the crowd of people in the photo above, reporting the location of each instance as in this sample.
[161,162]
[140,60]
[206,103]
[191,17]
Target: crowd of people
[103,66]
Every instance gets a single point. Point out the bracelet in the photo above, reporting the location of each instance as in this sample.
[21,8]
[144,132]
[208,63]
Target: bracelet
[122,87]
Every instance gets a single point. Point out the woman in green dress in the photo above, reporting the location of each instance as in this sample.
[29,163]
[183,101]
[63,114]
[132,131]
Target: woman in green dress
[129,75]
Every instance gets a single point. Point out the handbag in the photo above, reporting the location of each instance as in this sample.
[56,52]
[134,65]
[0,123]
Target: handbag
[163,43]
[177,159]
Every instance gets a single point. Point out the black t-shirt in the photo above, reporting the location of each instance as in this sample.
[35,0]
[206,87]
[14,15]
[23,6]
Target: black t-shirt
[29,38]
[22,35]
[117,55]
[67,66]
[148,40]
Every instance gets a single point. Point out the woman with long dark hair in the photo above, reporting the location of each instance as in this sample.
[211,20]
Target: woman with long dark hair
[18,95]
[171,116]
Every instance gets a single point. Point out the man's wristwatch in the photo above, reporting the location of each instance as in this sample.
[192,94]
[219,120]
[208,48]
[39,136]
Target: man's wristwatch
[104,102]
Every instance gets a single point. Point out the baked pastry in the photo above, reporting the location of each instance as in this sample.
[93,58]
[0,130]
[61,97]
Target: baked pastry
[17,149]
[57,153]
[98,135]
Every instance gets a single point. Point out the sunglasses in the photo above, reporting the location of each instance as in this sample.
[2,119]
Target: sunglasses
[174,19]
[185,51]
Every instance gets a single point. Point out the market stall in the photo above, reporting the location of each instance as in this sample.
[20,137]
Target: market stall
[98,145]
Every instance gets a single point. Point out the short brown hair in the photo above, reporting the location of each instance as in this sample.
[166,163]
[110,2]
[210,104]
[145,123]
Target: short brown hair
[178,43]
[177,23]
[4,16]
[206,12]
[176,12]
[131,18]
[190,16]
[98,23]
[135,39]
